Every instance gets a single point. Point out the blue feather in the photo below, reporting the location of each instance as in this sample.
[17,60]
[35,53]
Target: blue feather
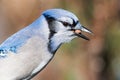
[14,42]
[58,13]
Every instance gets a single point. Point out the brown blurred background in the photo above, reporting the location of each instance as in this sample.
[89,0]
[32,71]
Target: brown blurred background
[97,59]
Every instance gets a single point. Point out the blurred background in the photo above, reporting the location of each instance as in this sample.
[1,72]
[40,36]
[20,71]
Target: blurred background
[97,59]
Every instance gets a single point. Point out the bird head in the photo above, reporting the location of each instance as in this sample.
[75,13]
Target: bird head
[63,26]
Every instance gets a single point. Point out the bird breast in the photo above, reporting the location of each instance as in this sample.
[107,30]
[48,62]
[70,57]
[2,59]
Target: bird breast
[29,59]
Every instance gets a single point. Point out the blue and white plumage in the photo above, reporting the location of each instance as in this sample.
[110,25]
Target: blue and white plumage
[28,51]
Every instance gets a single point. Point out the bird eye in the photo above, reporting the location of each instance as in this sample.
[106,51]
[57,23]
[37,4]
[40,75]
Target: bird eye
[65,23]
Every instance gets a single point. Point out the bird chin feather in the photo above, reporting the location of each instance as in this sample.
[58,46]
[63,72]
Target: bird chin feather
[63,37]
[69,39]
[58,39]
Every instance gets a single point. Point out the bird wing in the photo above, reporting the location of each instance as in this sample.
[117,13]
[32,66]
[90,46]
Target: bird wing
[14,42]
[4,51]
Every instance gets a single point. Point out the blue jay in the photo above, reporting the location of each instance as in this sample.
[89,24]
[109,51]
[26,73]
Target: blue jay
[28,51]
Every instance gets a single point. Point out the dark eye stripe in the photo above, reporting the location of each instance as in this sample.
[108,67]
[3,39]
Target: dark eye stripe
[74,23]
[68,24]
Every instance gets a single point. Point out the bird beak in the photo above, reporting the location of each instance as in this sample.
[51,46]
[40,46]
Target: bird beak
[78,29]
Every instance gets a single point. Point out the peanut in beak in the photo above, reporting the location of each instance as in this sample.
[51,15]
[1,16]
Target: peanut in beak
[77,31]
[79,34]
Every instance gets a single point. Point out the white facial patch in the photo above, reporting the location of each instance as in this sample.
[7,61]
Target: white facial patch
[66,19]
[61,37]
